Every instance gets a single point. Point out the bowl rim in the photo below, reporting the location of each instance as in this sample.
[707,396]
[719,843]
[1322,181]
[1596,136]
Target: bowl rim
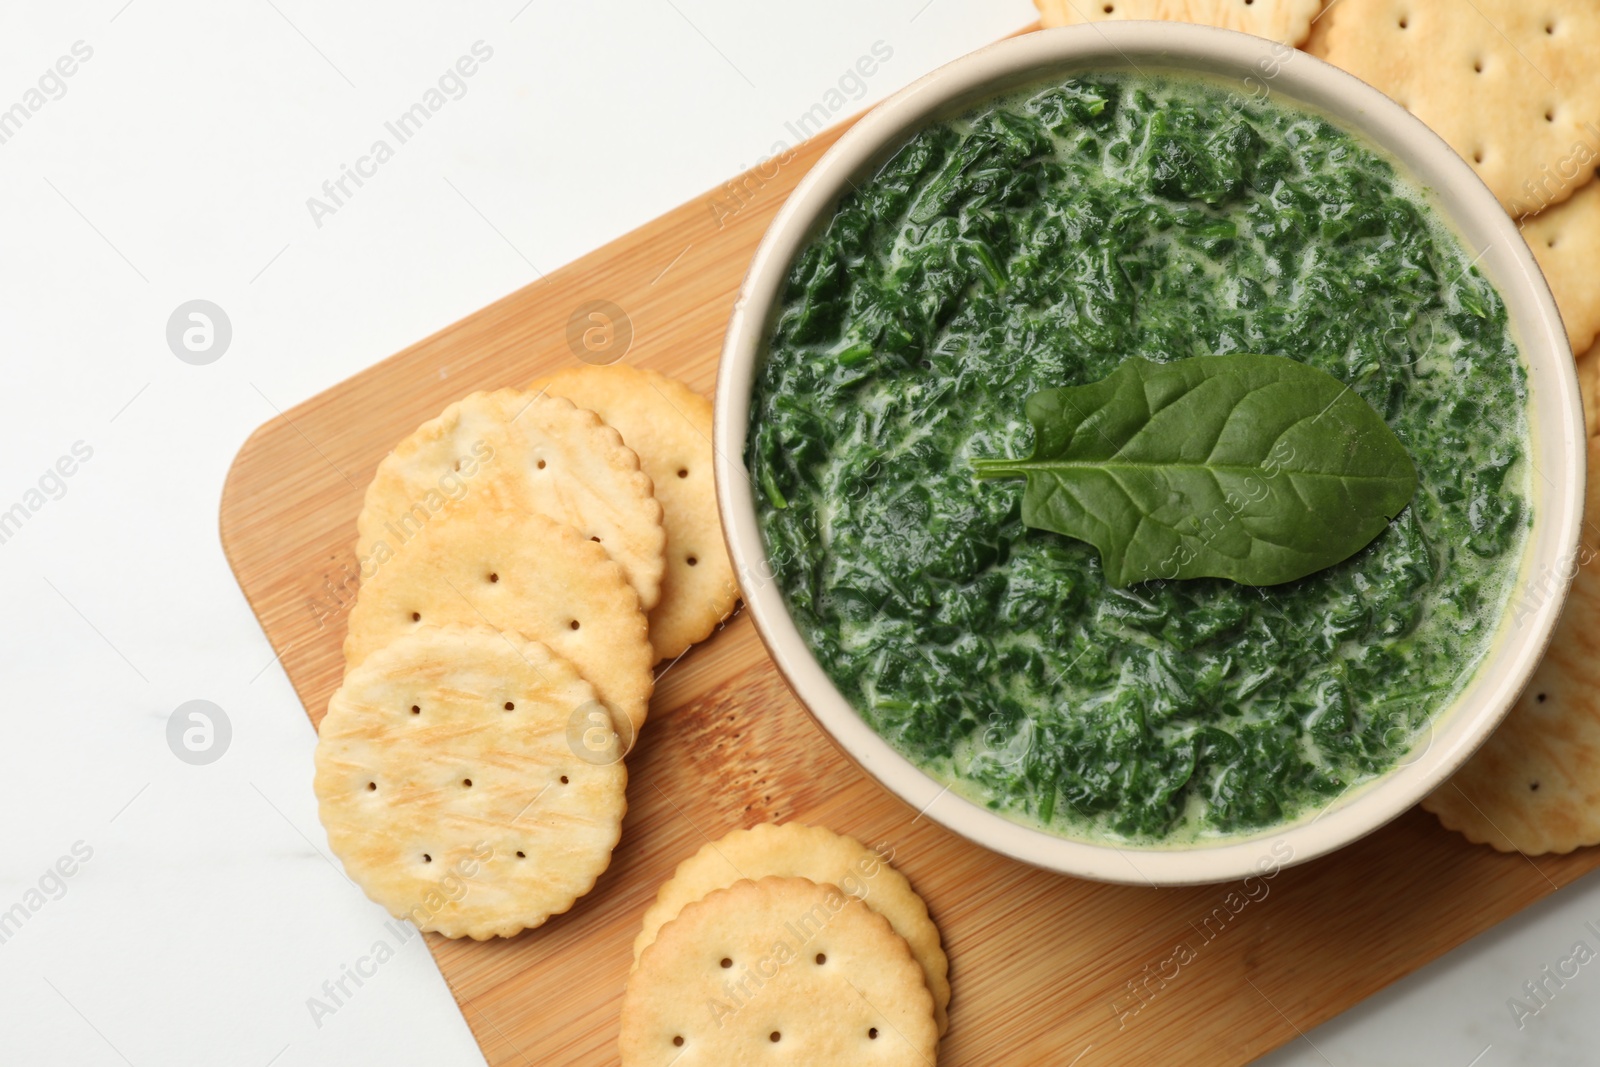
[1458,197]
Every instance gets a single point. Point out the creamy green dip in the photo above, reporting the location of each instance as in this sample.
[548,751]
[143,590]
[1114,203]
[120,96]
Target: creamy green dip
[1037,242]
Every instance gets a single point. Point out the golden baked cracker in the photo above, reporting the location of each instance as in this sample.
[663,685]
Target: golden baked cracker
[794,850]
[1566,242]
[669,426]
[1589,387]
[1316,41]
[450,790]
[1534,786]
[524,452]
[524,574]
[777,970]
[1280,20]
[1511,85]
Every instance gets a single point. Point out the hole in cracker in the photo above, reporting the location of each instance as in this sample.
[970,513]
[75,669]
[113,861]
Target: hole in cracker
[415,710]
[510,706]
[493,577]
[1477,157]
[872,1034]
[416,616]
[521,855]
[726,963]
[774,1037]
[691,561]
[540,464]
[563,779]
[466,783]
[1404,22]
[683,472]
[1477,65]
[574,624]
[1550,27]
[1109,8]
[1541,697]
[678,1040]
[822,957]
[1550,114]
[372,787]
[596,540]
[426,858]
[1533,786]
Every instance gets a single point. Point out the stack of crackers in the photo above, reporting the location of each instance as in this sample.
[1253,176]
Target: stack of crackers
[1514,89]
[527,558]
[789,941]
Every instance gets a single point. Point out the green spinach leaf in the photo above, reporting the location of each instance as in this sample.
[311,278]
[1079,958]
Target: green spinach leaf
[1251,467]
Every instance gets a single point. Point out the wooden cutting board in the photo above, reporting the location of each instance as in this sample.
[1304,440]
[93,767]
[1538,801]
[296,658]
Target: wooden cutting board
[1045,969]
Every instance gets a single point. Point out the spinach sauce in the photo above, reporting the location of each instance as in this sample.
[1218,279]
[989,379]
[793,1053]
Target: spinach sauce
[1036,242]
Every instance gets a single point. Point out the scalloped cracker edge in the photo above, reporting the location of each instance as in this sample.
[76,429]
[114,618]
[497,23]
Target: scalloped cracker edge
[795,850]
[669,426]
[778,969]
[1566,242]
[451,790]
[1288,21]
[1510,85]
[1534,786]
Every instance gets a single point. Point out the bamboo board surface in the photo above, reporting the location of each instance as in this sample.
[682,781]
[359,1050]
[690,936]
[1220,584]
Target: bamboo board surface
[1044,968]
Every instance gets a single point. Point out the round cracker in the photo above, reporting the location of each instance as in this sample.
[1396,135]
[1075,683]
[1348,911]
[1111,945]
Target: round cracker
[1534,786]
[669,426]
[1589,388]
[1566,242]
[523,451]
[522,573]
[450,791]
[1288,21]
[1511,86]
[794,850]
[781,968]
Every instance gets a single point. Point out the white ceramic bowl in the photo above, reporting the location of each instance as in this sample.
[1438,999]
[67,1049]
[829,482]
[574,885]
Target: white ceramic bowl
[1255,66]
